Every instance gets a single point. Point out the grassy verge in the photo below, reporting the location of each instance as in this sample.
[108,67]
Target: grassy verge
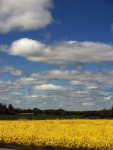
[33,147]
[40,117]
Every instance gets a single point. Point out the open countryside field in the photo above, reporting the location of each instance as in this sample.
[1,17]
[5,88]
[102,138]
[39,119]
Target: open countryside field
[38,117]
[70,133]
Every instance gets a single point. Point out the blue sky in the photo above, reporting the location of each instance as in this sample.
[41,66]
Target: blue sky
[56,54]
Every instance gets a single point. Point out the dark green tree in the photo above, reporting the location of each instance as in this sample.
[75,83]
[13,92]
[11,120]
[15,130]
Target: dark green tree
[112,111]
[35,111]
[11,109]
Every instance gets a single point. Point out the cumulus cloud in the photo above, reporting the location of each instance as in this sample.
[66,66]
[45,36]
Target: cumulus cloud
[53,96]
[84,90]
[16,72]
[24,14]
[88,104]
[54,74]
[91,87]
[8,86]
[48,88]
[80,92]
[11,70]
[107,98]
[77,77]
[16,94]
[6,69]
[64,52]
[81,83]
[30,81]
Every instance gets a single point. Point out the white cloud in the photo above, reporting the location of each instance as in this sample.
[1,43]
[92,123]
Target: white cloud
[80,92]
[57,74]
[16,94]
[48,88]
[34,96]
[88,104]
[6,87]
[11,70]
[53,96]
[91,87]
[90,90]
[16,72]
[64,52]
[81,83]
[77,77]
[17,101]
[63,67]
[107,98]
[24,14]
[30,81]
[6,69]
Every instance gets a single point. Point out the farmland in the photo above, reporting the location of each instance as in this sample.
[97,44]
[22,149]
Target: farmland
[68,133]
[30,116]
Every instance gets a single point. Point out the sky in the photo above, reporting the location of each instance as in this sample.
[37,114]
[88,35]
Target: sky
[56,54]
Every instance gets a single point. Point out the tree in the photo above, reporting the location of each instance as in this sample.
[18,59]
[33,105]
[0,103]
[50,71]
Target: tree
[103,113]
[35,111]
[4,109]
[112,111]
[11,110]
[64,113]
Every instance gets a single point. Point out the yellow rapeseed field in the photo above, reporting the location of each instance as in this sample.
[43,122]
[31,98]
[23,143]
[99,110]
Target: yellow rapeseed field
[66,133]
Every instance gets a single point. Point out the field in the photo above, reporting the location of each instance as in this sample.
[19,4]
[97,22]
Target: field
[41,117]
[31,117]
[58,134]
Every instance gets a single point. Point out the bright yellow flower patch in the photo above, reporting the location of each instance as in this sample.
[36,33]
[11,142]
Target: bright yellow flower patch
[65,133]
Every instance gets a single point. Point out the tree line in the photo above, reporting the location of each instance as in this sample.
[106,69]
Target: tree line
[10,110]
[4,110]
